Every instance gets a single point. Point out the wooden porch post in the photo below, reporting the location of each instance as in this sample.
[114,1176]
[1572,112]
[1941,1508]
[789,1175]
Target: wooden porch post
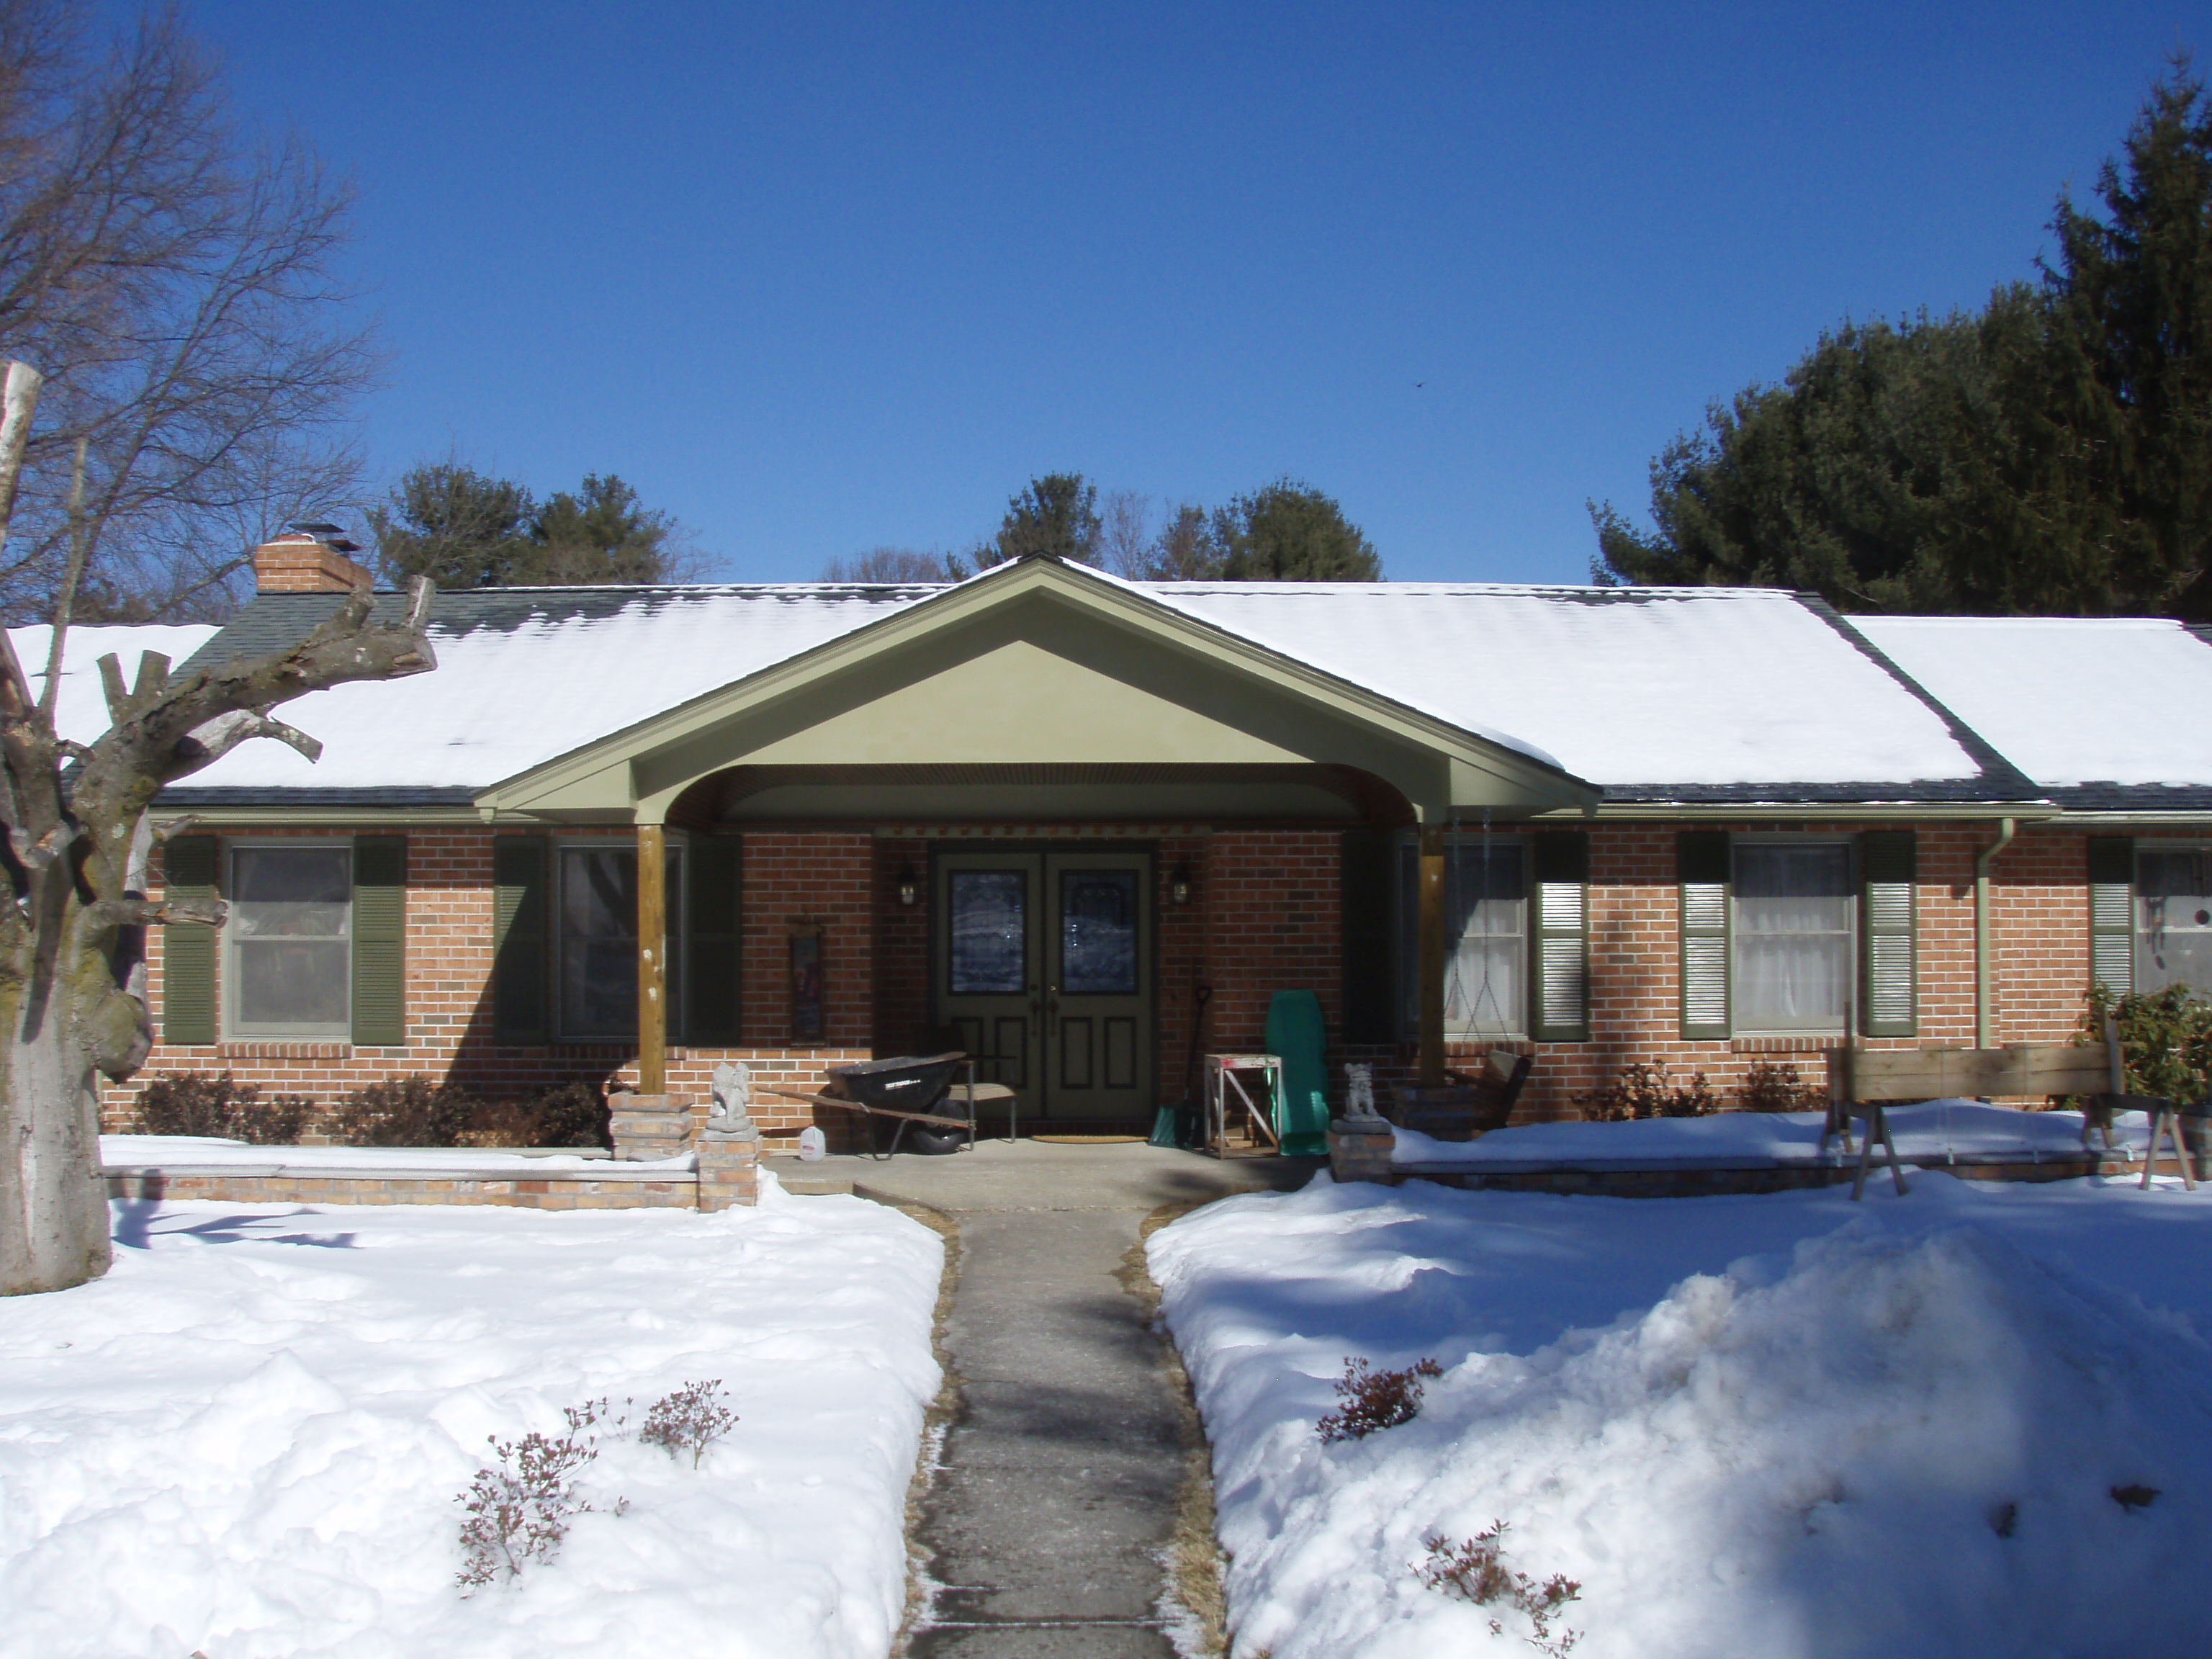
[652,969]
[1432,976]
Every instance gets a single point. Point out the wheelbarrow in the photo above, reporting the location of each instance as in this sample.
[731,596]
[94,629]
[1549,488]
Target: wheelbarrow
[903,1087]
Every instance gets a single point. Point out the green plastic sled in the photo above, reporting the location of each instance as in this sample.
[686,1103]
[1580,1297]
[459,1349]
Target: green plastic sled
[1295,1032]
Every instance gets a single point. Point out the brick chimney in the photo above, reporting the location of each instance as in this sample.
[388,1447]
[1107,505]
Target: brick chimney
[308,558]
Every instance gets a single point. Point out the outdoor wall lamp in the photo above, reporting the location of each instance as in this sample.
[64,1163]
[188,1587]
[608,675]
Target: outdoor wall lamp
[1179,886]
[909,890]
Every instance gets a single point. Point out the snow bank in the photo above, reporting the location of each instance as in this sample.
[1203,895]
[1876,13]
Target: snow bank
[1932,1128]
[1784,1425]
[248,1439]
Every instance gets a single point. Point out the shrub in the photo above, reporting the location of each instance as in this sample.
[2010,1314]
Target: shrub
[573,1115]
[405,1111]
[690,1419]
[2168,1035]
[1778,1088]
[412,1111]
[519,1511]
[1474,1569]
[1642,1092]
[1374,1400]
[189,1104]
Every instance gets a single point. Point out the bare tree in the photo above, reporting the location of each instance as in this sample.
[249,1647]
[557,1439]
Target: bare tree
[898,564]
[1125,534]
[75,853]
[178,281]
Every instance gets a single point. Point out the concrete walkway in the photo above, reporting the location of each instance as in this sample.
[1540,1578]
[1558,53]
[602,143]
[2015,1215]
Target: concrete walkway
[1057,1487]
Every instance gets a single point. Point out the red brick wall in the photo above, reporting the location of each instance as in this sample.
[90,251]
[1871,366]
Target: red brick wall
[449,974]
[809,878]
[902,1010]
[1263,918]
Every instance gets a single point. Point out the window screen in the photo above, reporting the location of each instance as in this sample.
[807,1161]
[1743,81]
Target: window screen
[1793,936]
[1486,930]
[290,938]
[2173,918]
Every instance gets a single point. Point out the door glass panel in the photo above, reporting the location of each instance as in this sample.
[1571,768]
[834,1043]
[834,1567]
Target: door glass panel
[989,913]
[1098,932]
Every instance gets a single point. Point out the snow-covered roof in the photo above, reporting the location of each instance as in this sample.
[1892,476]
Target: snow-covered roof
[80,709]
[1628,688]
[527,674]
[1666,693]
[2073,702]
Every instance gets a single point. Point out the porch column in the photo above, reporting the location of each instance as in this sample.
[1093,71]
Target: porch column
[1431,978]
[652,969]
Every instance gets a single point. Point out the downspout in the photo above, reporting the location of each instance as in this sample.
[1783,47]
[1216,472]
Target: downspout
[1981,860]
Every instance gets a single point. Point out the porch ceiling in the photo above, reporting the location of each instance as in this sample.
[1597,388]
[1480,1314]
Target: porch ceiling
[1039,665]
[1040,793]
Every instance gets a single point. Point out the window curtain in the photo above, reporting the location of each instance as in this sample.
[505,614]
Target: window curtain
[1793,937]
[1485,923]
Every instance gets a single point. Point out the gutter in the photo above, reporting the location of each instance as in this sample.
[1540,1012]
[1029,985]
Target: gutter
[2005,829]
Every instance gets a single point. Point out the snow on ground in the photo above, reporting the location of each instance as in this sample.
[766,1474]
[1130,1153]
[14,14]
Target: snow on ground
[1787,1426]
[248,1439]
[1931,1129]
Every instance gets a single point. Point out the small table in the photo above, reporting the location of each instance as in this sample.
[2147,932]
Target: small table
[1229,1103]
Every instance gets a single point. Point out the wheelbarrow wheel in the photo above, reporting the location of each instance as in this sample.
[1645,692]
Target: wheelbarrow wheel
[921,1137]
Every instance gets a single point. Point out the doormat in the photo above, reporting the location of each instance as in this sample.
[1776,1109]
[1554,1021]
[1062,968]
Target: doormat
[1090,1140]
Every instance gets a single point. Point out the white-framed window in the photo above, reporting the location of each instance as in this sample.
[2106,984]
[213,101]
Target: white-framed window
[1486,935]
[1793,933]
[2173,916]
[288,949]
[595,928]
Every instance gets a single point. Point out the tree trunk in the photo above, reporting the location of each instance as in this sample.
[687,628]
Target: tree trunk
[71,992]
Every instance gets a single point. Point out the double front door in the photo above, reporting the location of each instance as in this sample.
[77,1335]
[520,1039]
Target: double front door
[1043,964]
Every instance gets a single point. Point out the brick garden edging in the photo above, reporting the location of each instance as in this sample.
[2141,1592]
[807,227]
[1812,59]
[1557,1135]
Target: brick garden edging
[1360,1151]
[650,1131]
[603,1187]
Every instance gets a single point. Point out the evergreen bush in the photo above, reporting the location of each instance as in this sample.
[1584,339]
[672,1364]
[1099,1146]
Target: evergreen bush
[188,1104]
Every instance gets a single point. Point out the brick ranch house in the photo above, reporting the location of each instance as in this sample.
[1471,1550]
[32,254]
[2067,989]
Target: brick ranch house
[1049,809]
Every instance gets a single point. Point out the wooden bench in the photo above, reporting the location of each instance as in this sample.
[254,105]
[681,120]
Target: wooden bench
[1863,1082]
[1472,1105]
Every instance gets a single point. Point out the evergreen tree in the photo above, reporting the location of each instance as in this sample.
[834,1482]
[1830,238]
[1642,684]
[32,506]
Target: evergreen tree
[462,529]
[455,525]
[602,533]
[1289,531]
[2048,454]
[1055,514]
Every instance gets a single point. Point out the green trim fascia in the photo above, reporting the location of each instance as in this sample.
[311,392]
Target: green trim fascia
[1812,813]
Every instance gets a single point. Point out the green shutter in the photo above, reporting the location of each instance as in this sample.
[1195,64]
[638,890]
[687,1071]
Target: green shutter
[1559,996]
[1364,885]
[519,953]
[188,947]
[1888,982]
[379,941]
[1702,868]
[2112,914]
[714,959]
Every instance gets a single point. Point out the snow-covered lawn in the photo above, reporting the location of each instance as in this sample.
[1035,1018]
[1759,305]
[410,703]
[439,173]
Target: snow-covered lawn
[1784,1425]
[248,1439]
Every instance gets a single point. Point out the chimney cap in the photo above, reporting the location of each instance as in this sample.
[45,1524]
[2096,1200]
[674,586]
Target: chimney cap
[330,535]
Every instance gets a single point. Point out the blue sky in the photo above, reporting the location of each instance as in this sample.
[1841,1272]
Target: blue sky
[821,278]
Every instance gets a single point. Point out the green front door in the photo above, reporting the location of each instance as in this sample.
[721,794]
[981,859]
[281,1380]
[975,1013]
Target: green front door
[1043,962]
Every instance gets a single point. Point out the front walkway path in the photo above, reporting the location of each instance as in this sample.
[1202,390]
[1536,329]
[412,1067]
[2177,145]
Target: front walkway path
[1056,1489]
